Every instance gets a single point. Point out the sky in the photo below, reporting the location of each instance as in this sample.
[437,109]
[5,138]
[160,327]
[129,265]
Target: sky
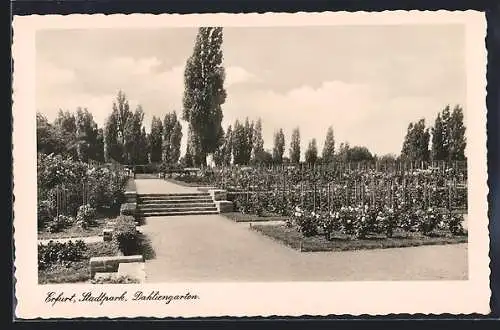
[367,82]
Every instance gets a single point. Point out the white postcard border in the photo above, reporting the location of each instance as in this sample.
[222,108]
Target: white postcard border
[251,299]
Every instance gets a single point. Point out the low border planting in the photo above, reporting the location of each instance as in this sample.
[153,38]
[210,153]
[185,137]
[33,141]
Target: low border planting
[293,238]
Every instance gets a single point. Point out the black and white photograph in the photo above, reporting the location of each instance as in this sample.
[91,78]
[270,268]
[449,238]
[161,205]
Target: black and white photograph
[205,153]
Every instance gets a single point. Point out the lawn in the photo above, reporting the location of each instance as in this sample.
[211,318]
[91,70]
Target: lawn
[293,238]
[78,271]
[240,217]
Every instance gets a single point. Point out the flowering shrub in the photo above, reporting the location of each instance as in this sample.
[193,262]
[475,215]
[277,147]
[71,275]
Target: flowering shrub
[306,221]
[125,235]
[86,215]
[45,212]
[64,183]
[122,279]
[60,222]
[55,252]
[429,221]
[454,223]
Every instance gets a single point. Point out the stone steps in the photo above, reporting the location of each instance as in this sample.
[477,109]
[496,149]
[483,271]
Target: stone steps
[174,213]
[175,204]
[186,208]
[175,201]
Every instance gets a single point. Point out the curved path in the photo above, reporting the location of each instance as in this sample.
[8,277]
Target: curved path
[213,248]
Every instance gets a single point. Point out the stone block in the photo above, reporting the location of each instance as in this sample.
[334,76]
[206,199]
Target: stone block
[218,194]
[224,206]
[111,264]
[131,197]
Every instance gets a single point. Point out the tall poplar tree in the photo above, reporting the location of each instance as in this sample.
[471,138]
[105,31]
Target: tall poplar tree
[156,139]
[311,155]
[328,154]
[204,93]
[295,146]
[279,146]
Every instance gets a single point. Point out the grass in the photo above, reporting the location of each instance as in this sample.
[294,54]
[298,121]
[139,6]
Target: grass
[78,271]
[293,238]
[240,217]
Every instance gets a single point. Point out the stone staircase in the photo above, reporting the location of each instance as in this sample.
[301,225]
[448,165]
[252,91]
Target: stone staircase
[151,205]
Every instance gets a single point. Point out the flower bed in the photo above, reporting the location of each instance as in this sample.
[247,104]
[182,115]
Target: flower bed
[64,186]
[241,217]
[69,263]
[293,238]
[74,230]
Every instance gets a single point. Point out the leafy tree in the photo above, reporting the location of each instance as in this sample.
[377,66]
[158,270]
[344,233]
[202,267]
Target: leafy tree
[416,142]
[312,152]
[295,146]
[156,139]
[359,154]
[263,157]
[172,136]
[133,137]
[279,146]
[328,154]
[343,153]
[114,132]
[65,124]
[204,92]
[48,138]
[86,132]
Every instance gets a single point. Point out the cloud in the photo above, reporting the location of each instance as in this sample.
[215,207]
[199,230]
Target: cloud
[238,75]
[133,66]
[360,114]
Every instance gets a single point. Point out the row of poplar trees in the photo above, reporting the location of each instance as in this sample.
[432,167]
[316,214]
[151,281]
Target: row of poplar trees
[446,138]
[126,140]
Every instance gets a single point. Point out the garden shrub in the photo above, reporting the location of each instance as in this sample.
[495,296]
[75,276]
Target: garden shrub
[86,215]
[55,252]
[125,235]
[45,212]
[429,221]
[60,222]
[455,224]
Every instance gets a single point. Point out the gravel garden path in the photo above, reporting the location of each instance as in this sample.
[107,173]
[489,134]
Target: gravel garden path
[212,248]
[159,186]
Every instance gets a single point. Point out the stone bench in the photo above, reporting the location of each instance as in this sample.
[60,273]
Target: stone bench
[111,264]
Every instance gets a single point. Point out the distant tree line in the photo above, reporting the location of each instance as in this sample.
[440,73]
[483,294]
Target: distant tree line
[124,139]
[445,141]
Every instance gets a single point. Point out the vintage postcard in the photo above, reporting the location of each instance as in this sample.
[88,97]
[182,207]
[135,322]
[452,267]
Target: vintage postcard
[250,164]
